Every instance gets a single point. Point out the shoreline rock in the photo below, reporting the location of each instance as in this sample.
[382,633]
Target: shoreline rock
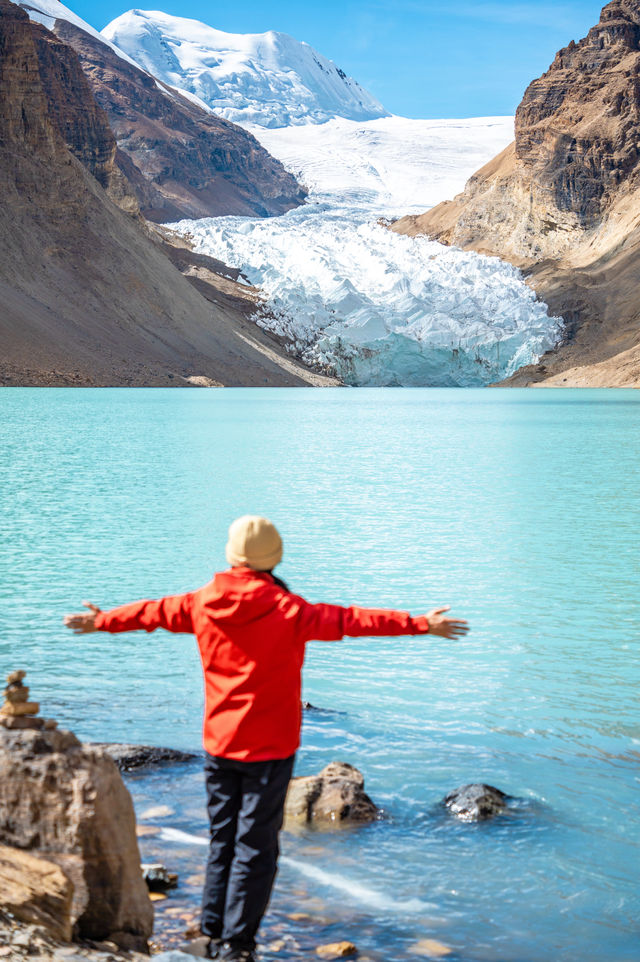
[66,803]
[23,941]
[336,950]
[335,795]
[36,890]
[158,878]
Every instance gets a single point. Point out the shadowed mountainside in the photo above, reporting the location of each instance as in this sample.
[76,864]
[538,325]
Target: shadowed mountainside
[181,160]
[88,296]
[563,203]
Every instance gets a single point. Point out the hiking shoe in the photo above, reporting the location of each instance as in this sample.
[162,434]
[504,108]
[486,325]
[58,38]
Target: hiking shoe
[213,948]
[234,953]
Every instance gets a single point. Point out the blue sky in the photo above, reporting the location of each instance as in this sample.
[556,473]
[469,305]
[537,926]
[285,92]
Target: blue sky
[421,58]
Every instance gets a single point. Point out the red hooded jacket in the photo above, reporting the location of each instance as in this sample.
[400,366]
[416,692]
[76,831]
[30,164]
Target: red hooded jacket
[252,635]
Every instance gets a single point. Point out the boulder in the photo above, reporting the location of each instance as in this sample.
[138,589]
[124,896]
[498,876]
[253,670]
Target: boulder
[336,794]
[67,802]
[37,891]
[476,802]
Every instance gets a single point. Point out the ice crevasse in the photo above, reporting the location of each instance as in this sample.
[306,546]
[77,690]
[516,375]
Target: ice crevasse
[378,308]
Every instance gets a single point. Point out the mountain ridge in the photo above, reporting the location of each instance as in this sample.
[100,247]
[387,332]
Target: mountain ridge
[88,296]
[179,159]
[267,79]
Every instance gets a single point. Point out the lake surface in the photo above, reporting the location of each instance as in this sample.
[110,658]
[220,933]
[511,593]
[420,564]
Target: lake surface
[521,509]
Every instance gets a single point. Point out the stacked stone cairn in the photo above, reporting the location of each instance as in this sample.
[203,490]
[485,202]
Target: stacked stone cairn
[17,711]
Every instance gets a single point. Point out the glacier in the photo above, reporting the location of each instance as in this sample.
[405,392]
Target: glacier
[269,79]
[356,300]
[377,308]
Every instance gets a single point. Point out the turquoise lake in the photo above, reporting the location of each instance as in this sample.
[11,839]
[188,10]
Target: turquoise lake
[519,508]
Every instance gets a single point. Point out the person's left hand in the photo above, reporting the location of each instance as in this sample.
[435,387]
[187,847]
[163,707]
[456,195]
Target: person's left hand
[84,621]
[441,624]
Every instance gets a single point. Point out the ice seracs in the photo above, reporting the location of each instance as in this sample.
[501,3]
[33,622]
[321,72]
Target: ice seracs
[377,308]
[268,79]
[372,306]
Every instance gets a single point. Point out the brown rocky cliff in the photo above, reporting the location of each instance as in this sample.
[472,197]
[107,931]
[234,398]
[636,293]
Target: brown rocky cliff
[577,127]
[575,155]
[182,160]
[23,108]
[80,121]
[563,201]
[47,108]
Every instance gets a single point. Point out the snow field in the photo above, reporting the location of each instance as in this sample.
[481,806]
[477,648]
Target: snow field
[392,165]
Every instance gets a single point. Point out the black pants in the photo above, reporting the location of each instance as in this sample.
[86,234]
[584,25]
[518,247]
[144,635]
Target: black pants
[246,805]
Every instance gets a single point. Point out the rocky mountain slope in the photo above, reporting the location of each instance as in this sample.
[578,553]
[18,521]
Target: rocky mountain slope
[268,79]
[563,202]
[180,159]
[87,296]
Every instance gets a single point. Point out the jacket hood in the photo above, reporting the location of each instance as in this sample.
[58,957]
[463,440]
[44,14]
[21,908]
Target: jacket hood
[241,595]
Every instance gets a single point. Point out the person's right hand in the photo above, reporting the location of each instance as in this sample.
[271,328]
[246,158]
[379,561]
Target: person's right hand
[84,621]
[445,627]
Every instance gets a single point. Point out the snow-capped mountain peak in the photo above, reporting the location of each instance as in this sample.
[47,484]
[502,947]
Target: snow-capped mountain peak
[269,79]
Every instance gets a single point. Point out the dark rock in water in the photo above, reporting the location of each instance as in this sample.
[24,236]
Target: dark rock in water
[307,706]
[158,878]
[131,758]
[474,803]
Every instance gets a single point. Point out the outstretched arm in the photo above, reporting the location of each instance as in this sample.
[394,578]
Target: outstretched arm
[333,622]
[172,613]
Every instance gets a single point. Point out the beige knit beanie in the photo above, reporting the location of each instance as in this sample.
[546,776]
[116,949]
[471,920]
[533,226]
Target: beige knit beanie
[255,542]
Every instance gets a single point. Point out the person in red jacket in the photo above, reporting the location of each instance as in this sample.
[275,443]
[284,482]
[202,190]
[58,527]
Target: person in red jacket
[251,632]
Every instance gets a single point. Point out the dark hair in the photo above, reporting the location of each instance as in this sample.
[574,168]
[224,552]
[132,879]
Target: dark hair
[280,583]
